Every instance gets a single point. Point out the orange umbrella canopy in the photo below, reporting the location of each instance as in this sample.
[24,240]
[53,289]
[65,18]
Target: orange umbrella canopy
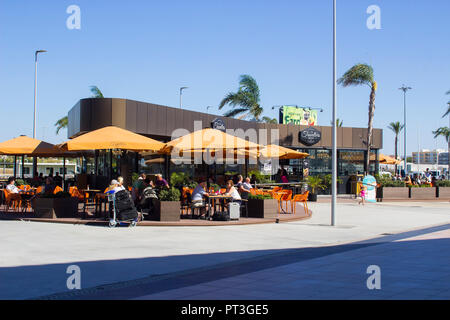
[275,151]
[208,140]
[24,145]
[388,160]
[112,138]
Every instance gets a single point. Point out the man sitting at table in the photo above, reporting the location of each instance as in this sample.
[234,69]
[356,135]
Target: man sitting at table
[198,196]
[11,187]
[161,182]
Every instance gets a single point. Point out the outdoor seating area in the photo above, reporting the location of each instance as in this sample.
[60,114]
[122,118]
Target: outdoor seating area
[154,198]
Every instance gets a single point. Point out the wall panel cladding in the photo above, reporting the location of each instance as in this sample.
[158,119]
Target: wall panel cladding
[142,118]
[101,114]
[157,120]
[131,115]
[118,113]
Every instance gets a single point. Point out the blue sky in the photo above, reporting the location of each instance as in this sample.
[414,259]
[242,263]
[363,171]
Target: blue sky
[146,50]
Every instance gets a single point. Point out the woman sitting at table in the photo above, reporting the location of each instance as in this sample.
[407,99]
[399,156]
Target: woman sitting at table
[232,192]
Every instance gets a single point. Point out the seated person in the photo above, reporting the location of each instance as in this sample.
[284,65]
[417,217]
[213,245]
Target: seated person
[243,191]
[232,192]
[58,179]
[161,182]
[198,196]
[115,187]
[49,186]
[11,187]
[146,204]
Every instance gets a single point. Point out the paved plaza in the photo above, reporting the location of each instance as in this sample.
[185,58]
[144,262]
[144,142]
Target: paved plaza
[309,259]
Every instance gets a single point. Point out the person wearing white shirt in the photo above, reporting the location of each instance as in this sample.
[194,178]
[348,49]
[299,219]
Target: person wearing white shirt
[11,187]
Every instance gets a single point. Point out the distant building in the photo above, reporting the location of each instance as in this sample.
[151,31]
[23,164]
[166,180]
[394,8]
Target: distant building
[438,156]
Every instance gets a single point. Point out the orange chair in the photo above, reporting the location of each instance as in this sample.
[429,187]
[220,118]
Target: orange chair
[57,189]
[12,200]
[303,198]
[277,196]
[286,197]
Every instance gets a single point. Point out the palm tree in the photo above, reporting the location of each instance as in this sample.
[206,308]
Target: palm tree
[357,75]
[448,110]
[269,120]
[339,123]
[444,132]
[246,99]
[64,121]
[396,127]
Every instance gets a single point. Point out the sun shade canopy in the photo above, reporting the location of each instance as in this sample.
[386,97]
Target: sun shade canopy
[383,159]
[112,138]
[27,146]
[208,140]
[275,151]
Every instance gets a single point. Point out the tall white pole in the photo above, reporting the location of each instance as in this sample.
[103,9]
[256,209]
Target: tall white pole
[404,89]
[334,151]
[35,94]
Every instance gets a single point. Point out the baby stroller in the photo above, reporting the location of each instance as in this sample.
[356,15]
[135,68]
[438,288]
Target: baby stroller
[123,209]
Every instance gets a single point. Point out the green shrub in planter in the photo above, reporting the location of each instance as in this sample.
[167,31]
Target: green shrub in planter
[260,178]
[420,186]
[171,194]
[443,183]
[260,196]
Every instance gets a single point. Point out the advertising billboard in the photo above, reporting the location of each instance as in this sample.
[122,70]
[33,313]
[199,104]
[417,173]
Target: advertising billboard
[298,116]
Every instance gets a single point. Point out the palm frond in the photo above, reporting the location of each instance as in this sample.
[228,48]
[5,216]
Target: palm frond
[235,112]
[61,124]
[442,131]
[396,127]
[269,120]
[96,93]
[357,75]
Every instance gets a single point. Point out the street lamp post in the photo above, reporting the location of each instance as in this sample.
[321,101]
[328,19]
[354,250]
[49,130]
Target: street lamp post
[35,104]
[35,89]
[334,151]
[404,89]
[181,95]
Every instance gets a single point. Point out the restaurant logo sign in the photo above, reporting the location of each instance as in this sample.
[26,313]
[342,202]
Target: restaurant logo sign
[309,136]
[218,124]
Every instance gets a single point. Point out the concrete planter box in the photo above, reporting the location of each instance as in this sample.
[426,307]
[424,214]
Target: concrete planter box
[258,208]
[423,193]
[53,208]
[395,193]
[444,193]
[165,211]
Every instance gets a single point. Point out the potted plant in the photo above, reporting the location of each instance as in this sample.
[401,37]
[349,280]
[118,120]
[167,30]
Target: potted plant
[261,206]
[60,205]
[315,182]
[443,189]
[167,207]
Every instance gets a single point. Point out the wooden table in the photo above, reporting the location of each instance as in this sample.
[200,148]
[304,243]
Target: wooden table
[215,197]
[91,195]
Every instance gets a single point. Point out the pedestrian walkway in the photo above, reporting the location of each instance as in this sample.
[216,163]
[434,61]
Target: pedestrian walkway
[414,265]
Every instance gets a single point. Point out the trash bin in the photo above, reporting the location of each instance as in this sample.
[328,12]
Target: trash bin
[356,182]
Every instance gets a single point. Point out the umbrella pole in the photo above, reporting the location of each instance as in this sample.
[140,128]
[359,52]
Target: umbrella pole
[246,167]
[110,165]
[23,167]
[15,165]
